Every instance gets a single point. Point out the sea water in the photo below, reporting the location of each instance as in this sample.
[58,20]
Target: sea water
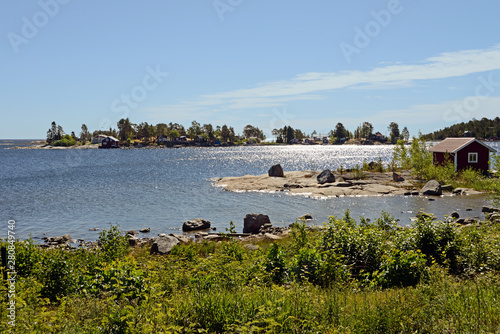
[54,192]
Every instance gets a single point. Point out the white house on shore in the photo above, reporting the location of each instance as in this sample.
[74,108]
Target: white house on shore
[98,139]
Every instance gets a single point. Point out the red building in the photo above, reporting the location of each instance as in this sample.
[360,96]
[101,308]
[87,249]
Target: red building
[110,142]
[463,153]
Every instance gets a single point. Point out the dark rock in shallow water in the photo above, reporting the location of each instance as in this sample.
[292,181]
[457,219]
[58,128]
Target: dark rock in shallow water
[132,234]
[253,222]
[195,225]
[276,171]
[326,176]
[431,188]
[163,245]
[145,230]
[454,215]
[307,216]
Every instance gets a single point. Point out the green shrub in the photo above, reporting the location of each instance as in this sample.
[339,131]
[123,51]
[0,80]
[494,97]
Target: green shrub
[401,268]
[66,141]
[275,264]
[438,241]
[112,244]
[306,264]
[57,274]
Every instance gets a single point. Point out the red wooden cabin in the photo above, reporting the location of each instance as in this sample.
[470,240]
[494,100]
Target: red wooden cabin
[463,153]
[110,142]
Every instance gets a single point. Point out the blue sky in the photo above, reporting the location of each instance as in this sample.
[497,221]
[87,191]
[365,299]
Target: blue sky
[308,64]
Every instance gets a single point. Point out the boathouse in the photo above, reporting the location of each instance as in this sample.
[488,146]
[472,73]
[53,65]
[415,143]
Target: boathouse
[110,142]
[463,153]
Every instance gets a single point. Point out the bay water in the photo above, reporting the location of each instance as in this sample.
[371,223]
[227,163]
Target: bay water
[54,192]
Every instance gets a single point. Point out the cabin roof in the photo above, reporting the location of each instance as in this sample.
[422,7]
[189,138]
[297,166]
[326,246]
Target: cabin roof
[453,145]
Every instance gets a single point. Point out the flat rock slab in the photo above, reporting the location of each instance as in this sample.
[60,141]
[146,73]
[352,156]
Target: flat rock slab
[305,183]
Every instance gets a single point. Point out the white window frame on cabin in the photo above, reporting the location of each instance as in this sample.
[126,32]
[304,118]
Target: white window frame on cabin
[472,155]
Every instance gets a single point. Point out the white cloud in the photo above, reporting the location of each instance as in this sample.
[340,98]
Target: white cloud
[310,86]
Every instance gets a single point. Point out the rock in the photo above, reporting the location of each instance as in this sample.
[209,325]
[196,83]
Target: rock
[251,247]
[431,188]
[494,217]
[307,216]
[292,186]
[465,221]
[59,240]
[276,171]
[182,239]
[270,236]
[326,176]
[162,234]
[343,184]
[459,191]
[253,222]
[133,241]
[414,193]
[195,225]
[454,215]
[425,215]
[447,187]
[145,230]
[163,245]
[489,209]
[132,234]
[94,229]
[468,209]
[215,237]
[397,178]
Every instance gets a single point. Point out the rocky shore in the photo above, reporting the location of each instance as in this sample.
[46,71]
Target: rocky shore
[256,227]
[42,145]
[308,183]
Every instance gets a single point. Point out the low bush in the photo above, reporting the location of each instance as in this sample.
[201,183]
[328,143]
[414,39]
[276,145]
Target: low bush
[67,140]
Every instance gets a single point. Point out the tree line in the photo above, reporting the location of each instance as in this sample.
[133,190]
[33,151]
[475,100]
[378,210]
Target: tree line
[483,129]
[127,131]
[340,133]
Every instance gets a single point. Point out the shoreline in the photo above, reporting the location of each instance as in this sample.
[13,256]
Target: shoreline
[304,183]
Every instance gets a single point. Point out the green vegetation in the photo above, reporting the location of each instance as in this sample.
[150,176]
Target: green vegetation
[485,128]
[67,140]
[418,159]
[349,277]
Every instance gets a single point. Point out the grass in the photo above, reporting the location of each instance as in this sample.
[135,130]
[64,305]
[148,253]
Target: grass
[350,277]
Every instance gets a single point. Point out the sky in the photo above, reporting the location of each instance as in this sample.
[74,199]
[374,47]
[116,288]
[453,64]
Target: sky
[307,64]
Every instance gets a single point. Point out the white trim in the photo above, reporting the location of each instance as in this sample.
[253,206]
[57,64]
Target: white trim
[455,162]
[472,154]
[477,141]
